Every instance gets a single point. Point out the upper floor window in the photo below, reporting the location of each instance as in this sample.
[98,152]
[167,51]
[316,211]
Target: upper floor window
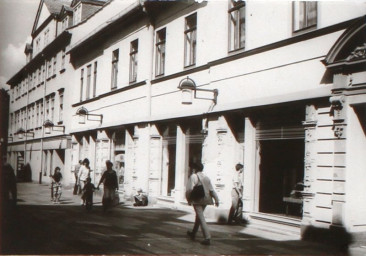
[133,60]
[46,37]
[160,52]
[236,25]
[304,14]
[190,40]
[95,79]
[81,84]
[38,45]
[115,58]
[49,68]
[65,22]
[52,108]
[63,57]
[88,81]
[77,14]
[61,106]
[54,65]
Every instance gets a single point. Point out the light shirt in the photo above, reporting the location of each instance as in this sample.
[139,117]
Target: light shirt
[83,173]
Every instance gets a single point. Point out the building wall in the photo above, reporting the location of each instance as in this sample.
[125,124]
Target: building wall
[278,70]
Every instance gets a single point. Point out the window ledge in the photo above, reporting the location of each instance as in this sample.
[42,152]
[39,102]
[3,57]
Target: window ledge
[236,51]
[113,91]
[190,66]
[304,30]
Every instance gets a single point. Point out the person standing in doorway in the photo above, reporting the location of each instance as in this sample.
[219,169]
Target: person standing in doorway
[84,173]
[110,183]
[199,205]
[236,194]
[77,188]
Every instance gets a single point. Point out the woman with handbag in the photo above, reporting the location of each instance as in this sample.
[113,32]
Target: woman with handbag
[199,193]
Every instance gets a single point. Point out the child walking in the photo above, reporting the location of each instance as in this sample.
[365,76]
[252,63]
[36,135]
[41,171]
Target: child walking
[88,191]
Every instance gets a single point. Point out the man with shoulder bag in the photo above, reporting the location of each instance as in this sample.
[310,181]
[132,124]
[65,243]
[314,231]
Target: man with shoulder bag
[200,193]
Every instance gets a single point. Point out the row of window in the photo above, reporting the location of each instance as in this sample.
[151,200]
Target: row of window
[304,16]
[32,117]
[39,75]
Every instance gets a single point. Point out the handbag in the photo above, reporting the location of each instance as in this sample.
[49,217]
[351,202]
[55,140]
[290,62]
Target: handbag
[198,191]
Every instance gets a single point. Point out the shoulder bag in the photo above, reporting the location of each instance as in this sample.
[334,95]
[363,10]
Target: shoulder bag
[198,191]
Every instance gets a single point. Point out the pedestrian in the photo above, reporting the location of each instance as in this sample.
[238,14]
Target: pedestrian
[8,185]
[110,185]
[235,212]
[56,185]
[121,173]
[199,204]
[88,191]
[77,187]
[141,198]
[84,173]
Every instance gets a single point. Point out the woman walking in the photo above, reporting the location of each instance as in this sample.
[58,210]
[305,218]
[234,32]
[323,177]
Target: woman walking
[199,204]
[84,173]
[110,182]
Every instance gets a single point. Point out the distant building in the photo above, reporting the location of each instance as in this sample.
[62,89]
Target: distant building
[156,85]
[4,116]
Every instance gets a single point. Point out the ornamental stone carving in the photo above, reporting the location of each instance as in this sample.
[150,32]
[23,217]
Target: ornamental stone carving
[358,54]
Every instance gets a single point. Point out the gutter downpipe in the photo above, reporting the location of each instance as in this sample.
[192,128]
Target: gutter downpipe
[26,124]
[144,9]
[44,106]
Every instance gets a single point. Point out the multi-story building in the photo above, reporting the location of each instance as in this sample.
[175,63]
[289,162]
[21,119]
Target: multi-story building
[40,92]
[278,86]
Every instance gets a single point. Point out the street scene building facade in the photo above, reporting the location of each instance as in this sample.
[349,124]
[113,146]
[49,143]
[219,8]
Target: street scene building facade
[154,86]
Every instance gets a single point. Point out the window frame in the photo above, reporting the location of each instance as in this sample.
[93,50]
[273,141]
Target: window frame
[88,81]
[296,9]
[81,84]
[235,8]
[61,106]
[190,40]
[134,47]
[95,79]
[160,48]
[114,73]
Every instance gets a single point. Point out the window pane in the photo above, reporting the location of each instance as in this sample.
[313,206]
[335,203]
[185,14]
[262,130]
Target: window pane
[190,40]
[311,11]
[236,25]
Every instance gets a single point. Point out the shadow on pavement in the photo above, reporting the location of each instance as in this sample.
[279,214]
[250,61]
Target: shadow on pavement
[71,229]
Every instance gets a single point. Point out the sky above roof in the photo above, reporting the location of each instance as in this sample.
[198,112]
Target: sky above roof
[16,22]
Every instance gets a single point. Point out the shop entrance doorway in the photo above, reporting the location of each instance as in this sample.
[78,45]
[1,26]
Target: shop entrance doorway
[281,176]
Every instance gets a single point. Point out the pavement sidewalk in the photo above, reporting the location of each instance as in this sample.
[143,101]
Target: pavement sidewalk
[161,225]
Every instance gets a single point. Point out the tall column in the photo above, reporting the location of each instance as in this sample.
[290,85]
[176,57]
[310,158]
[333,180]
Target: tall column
[310,124]
[181,165]
[250,168]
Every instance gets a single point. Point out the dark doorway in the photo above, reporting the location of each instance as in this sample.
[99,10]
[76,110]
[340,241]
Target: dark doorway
[281,171]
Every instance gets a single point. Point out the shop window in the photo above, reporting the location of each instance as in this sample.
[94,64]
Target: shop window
[280,152]
[169,159]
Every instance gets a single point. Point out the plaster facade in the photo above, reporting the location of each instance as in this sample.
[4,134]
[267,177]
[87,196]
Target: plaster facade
[290,106]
